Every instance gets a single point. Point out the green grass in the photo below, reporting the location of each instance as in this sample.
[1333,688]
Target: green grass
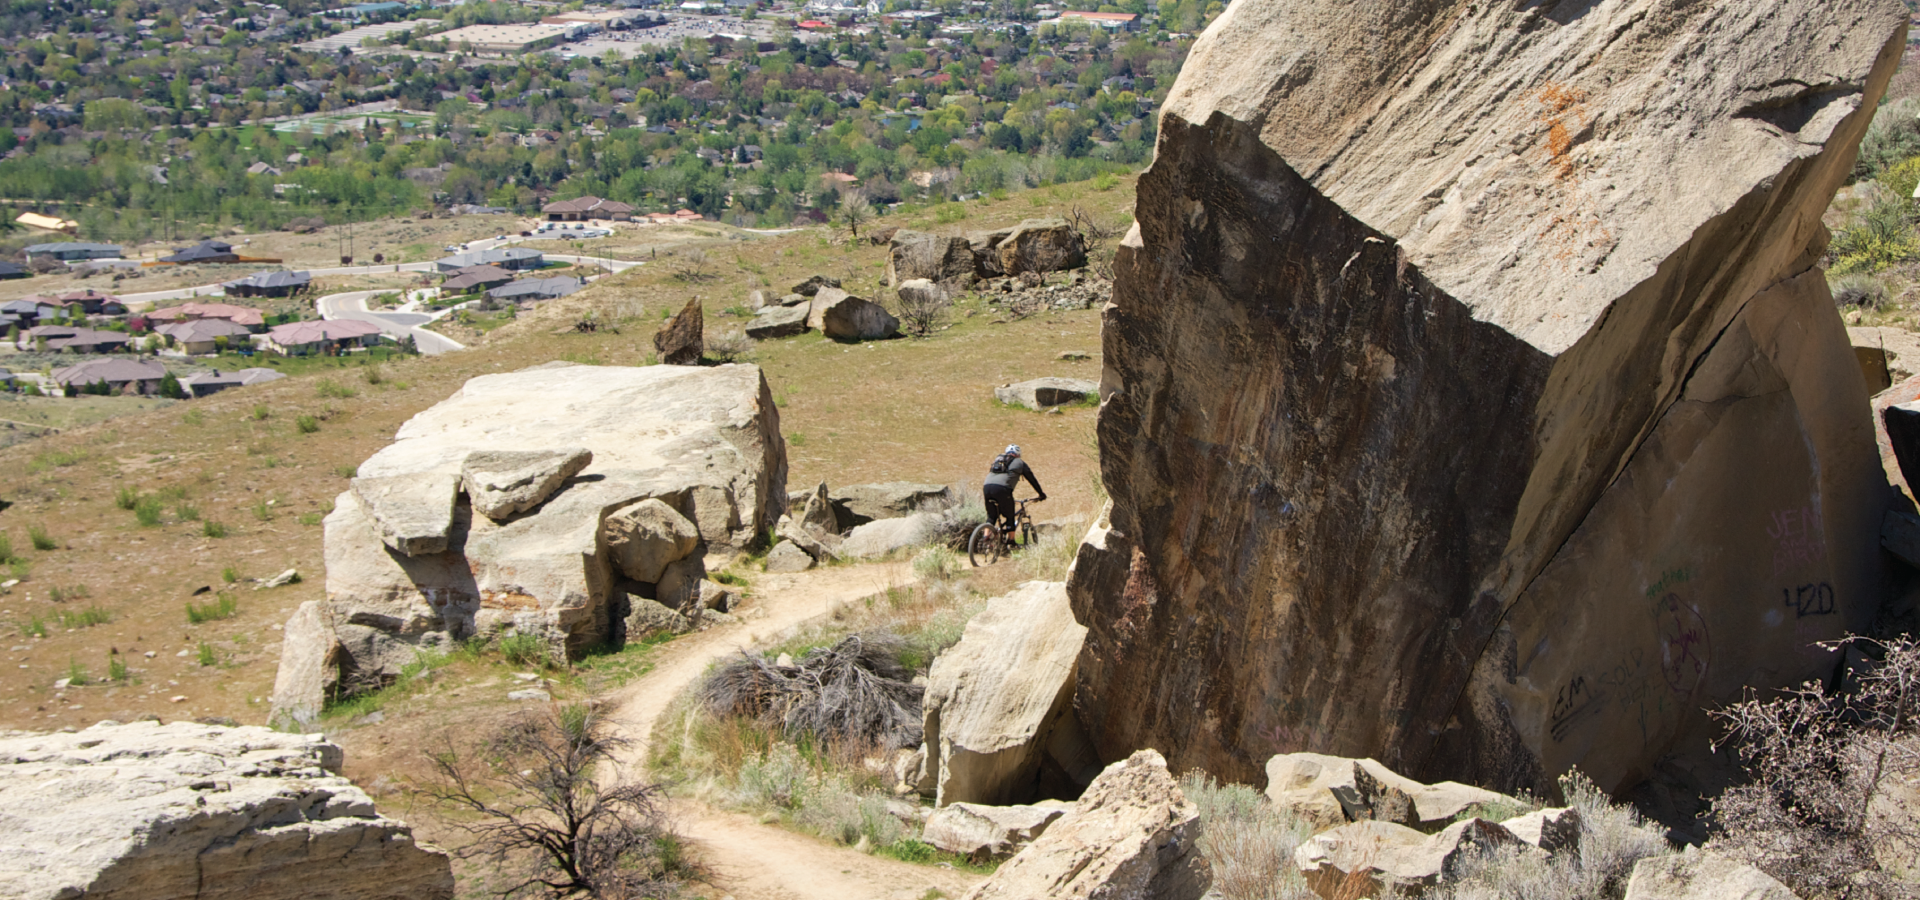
[522,649]
[6,547]
[116,667]
[307,424]
[346,471]
[84,618]
[76,673]
[312,518]
[263,511]
[35,627]
[186,512]
[204,654]
[147,510]
[224,606]
[213,529]
[229,574]
[64,594]
[126,498]
[334,390]
[260,412]
[41,539]
[56,459]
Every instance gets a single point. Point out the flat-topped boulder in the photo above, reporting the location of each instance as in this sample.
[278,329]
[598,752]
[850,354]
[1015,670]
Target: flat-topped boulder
[565,457]
[1046,393]
[858,504]
[185,811]
[1471,366]
[779,321]
[413,513]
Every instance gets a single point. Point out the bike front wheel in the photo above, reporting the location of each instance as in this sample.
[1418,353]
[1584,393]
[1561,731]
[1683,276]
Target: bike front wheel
[983,546]
[1026,534]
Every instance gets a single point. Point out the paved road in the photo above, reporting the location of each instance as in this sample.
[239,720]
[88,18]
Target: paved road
[204,290]
[353,305]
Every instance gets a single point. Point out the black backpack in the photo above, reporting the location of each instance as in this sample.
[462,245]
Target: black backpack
[1000,465]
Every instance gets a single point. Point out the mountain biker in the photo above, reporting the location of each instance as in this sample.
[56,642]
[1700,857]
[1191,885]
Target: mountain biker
[1005,473]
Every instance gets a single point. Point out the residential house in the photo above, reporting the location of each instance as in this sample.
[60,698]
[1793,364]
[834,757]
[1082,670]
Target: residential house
[269,284]
[309,338]
[581,209]
[72,339]
[12,270]
[204,252]
[199,337]
[71,250]
[474,278]
[31,310]
[518,259]
[532,290]
[253,319]
[1110,21]
[91,302]
[203,383]
[123,376]
[261,168]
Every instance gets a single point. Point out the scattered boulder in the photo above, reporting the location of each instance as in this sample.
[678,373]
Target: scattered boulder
[146,810]
[1132,834]
[884,536]
[1362,859]
[812,286]
[704,441]
[795,300]
[778,322]
[933,257]
[1552,830]
[1464,405]
[1331,790]
[309,667]
[787,556]
[679,586]
[414,515]
[1702,875]
[981,832]
[502,483]
[646,537]
[1039,245]
[756,300]
[850,318]
[717,598]
[857,504]
[998,699]
[815,531]
[682,341]
[646,618]
[1044,393]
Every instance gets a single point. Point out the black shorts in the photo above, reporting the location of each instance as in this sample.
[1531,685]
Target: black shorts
[999,504]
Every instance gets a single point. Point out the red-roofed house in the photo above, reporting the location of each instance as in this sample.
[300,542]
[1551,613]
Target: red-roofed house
[253,319]
[308,338]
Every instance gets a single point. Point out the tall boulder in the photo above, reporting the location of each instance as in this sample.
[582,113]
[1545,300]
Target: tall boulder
[999,698]
[702,441]
[683,341]
[857,319]
[147,811]
[1473,400]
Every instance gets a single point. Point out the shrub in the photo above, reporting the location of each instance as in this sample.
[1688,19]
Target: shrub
[936,564]
[186,512]
[35,627]
[1248,841]
[731,346]
[333,390]
[1865,291]
[6,548]
[260,412]
[853,694]
[229,574]
[1817,760]
[76,673]
[204,654]
[1893,136]
[224,606]
[41,539]
[84,618]
[63,594]
[126,498]
[522,649]
[923,312]
[1881,238]
[263,510]
[213,529]
[307,424]
[147,509]
[346,471]
[116,667]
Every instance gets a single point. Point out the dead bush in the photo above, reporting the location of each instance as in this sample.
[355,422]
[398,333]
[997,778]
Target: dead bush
[731,346]
[854,693]
[1829,805]
[922,312]
[533,798]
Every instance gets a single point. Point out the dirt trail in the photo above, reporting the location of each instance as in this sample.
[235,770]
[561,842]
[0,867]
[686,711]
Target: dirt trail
[748,860]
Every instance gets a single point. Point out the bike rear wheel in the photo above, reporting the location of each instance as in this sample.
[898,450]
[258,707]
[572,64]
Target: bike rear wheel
[983,546]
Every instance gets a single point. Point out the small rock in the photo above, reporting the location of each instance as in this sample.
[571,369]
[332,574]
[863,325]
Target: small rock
[283,579]
[1551,830]
[62,684]
[1041,393]
[787,556]
[150,654]
[525,676]
[530,694]
[784,661]
[183,654]
[177,698]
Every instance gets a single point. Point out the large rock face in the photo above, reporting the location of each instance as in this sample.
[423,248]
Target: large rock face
[198,812]
[704,442]
[1472,400]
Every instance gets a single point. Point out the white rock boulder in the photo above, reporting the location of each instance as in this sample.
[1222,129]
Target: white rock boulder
[157,812]
[1702,876]
[979,831]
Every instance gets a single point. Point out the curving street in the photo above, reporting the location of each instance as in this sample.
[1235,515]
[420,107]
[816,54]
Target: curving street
[399,325]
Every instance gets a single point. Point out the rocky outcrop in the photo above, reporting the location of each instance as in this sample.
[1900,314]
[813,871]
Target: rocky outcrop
[1440,371]
[778,322]
[185,811]
[1046,393]
[1330,790]
[998,701]
[1702,876]
[858,504]
[703,442]
[787,556]
[1035,245]
[937,258]
[683,341]
[1132,834]
[1365,858]
[989,832]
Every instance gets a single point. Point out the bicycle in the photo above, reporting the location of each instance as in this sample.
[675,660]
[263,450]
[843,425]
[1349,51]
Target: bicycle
[990,543]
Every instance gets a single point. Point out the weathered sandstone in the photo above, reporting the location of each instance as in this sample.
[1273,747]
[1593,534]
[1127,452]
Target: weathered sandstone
[1473,401]
[185,811]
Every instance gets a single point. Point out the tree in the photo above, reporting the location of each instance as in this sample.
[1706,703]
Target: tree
[170,387]
[855,212]
[536,797]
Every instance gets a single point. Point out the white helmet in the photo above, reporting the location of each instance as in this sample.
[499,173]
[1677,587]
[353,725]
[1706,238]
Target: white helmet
[1013,449]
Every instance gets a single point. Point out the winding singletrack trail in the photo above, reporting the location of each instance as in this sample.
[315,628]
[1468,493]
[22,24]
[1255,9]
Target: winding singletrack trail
[748,860]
